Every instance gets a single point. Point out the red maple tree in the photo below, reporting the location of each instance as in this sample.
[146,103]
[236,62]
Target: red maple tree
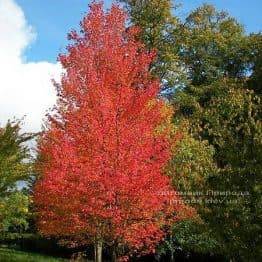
[103,153]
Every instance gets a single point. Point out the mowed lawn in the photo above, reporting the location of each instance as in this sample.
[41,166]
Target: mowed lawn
[11,255]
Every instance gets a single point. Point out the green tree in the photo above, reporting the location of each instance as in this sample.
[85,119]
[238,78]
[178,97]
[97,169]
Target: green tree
[13,155]
[221,101]
[228,115]
[213,45]
[232,124]
[191,166]
[158,31]
[15,167]
[223,106]
[14,214]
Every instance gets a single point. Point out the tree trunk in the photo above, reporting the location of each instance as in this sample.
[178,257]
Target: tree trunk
[172,259]
[98,251]
[114,253]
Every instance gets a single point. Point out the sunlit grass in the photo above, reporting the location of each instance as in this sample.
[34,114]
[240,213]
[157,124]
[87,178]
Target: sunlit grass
[10,255]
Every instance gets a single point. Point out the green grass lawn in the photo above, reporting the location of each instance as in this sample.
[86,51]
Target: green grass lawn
[11,255]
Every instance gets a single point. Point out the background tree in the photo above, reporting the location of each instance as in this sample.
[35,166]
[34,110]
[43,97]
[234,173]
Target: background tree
[222,65]
[222,108]
[233,125]
[14,214]
[213,45]
[103,154]
[158,31]
[15,167]
[222,105]
[191,166]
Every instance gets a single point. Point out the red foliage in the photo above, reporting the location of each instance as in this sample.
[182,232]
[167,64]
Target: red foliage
[102,156]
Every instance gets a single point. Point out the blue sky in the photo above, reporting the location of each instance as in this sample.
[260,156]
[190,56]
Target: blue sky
[52,19]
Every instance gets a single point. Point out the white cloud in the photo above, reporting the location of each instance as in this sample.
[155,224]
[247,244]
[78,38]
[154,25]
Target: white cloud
[25,87]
